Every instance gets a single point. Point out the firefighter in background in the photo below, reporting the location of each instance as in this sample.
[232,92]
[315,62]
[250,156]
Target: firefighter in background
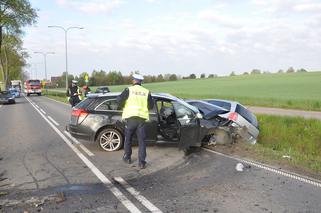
[74,94]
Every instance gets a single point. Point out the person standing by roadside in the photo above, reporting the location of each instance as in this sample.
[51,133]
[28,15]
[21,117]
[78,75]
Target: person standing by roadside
[136,101]
[86,90]
[73,93]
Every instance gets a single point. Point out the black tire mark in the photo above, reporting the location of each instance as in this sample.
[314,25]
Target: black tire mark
[54,166]
[35,181]
[26,183]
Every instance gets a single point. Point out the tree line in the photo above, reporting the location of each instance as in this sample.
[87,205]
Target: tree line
[258,71]
[103,78]
[14,15]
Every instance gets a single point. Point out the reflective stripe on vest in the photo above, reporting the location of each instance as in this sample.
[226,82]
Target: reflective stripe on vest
[137,103]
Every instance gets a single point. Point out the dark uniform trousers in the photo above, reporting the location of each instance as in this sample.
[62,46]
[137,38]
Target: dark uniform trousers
[135,124]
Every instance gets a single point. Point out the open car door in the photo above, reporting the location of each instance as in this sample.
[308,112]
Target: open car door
[189,126]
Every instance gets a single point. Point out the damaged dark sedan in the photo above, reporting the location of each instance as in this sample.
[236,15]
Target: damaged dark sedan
[237,123]
[98,119]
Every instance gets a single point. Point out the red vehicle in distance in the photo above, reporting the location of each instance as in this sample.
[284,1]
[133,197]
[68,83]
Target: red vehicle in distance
[32,87]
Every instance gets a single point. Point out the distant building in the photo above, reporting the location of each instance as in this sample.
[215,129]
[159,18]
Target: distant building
[54,80]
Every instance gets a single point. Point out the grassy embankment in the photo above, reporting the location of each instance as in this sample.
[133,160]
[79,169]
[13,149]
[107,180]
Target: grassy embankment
[298,138]
[296,90]
[291,136]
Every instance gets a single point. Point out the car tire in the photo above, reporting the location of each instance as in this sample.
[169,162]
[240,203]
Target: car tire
[39,94]
[28,94]
[110,140]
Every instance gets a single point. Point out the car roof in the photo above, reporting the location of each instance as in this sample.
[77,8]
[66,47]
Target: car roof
[158,95]
[228,101]
[155,95]
[206,103]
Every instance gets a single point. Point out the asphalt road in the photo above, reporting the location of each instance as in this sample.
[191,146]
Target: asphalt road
[42,169]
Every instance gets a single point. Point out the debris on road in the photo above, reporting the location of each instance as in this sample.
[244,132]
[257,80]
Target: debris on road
[239,167]
[2,193]
[34,201]
[286,156]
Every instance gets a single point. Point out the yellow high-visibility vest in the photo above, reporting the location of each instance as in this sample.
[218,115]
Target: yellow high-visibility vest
[137,103]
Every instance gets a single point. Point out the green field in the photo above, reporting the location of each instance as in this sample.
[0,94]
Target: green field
[295,90]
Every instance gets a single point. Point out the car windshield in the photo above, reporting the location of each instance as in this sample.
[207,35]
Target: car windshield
[195,109]
[34,82]
[207,108]
[5,93]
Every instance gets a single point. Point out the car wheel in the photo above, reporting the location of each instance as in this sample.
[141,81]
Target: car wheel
[110,140]
[28,94]
[39,94]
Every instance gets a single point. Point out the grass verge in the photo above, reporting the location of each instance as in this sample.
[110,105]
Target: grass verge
[291,143]
[56,96]
[296,137]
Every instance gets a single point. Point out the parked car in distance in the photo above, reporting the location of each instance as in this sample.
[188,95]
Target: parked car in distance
[7,98]
[98,118]
[242,118]
[15,92]
[102,89]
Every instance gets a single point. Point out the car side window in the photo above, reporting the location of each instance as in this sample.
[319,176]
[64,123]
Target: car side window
[182,112]
[108,105]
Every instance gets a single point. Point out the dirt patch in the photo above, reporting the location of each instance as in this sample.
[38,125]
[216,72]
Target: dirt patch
[251,152]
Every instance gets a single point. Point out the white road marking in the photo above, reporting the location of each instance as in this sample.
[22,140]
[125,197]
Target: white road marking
[120,196]
[1,106]
[137,195]
[300,178]
[42,111]
[37,106]
[53,121]
[80,144]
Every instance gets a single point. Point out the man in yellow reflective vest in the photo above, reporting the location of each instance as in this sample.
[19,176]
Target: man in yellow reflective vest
[136,101]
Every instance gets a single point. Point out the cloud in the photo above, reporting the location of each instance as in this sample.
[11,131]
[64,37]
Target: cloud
[92,6]
[308,7]
[288,6]
[219,19]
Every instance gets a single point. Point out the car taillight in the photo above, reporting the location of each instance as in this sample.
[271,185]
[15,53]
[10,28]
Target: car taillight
[233,116]
[80,113]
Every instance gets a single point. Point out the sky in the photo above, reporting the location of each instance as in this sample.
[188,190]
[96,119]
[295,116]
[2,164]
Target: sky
[175,36]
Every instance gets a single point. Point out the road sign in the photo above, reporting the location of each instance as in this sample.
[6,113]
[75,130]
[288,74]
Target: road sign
[86,78]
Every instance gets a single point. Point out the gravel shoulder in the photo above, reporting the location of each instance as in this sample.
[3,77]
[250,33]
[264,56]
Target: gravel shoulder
[285,112]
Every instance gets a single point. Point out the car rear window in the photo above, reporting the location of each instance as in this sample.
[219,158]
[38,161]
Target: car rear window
[222,104]
[84,104]
[108,105]
[248,115]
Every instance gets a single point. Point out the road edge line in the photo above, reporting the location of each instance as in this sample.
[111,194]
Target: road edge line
[151,207]
[53,121]
[80,144]
[118,194]
[288,174]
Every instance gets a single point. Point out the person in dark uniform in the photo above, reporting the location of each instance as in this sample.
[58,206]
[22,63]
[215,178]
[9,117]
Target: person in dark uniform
[136,101]
[74,94]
